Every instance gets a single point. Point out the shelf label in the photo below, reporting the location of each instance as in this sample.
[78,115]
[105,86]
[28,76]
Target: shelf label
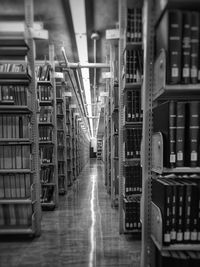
[103,94]
[67,94]
[106,75]
[112,34]
[59,75]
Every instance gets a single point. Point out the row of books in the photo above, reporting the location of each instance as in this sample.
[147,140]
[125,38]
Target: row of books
[59,109]
[15,156]
[43,72]
[14,126]
[179,202]
[116,146]
[132,143]
[17,185]
[133,112]
[47,192]
[60,154]
[181,258]
[14,94]
[15,215]
[46,114]
[59,124]
[59,90]
[116,175]
[134,25]
[46,174]
[181,43]
[132,180]
[45,92]
[132,214]
[60,138]
[116,95]
[61,184]
[13,67]
[134,65]
[181,132]
[46,154]
[45,133]
[115,117]
[61,168]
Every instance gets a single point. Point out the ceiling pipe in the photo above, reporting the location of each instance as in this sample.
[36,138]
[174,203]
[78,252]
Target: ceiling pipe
[69,65]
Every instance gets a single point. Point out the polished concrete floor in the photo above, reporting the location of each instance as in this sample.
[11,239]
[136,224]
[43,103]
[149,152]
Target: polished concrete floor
[82,232]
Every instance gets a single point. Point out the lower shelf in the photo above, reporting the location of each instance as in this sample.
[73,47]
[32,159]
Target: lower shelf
[135,230]
[16,230]
[157,233]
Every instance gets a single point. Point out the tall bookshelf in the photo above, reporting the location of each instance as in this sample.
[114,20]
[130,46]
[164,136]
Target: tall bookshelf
[68,96]
[20,211]
[176,86]
[99,148]
[61,133]
[77,141]
[130,115]
[47,124]
[114,131]
[107,138]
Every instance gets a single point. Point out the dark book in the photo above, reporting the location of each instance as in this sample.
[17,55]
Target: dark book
[173,231]
[164,201]
[163,258]
[180,134]
[187,211]
[180,258]
[128,106]
[193,133]
[194,55]
[186,46]
[169,37]
[172,132]
[166,124]
[128,55]
[194,258]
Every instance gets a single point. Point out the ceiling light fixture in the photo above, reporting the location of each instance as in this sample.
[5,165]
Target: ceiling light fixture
[79,22]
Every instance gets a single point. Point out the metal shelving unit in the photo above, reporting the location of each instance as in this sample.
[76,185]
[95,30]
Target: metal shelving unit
[156,90]
[20,206]
[61,133]
[132,85]
[48,148]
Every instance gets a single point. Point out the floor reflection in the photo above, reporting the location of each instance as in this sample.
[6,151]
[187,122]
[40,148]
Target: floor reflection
[82,232]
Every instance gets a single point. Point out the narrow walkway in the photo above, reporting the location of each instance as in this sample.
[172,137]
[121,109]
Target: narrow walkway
[82,232]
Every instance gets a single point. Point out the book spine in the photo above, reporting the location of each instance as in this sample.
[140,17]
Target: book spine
[187,212]
[174,47]
[193,133]
[194,56]
[172,133]
[186,46]
[180,134]
[180,212]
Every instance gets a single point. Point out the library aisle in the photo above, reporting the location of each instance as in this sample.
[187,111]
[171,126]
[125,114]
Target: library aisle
[82,232]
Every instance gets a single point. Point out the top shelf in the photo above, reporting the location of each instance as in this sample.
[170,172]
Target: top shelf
[162,90]
[161,6]
[179,91]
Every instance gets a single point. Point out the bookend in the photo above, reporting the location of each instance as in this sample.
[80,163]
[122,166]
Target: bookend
[157,152]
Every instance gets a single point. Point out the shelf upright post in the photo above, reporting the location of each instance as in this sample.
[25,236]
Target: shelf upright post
[53,81]
[29,18]
[121,13]
[147,131]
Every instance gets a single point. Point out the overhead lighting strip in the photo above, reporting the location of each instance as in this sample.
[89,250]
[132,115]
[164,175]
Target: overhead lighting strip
[79,23]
